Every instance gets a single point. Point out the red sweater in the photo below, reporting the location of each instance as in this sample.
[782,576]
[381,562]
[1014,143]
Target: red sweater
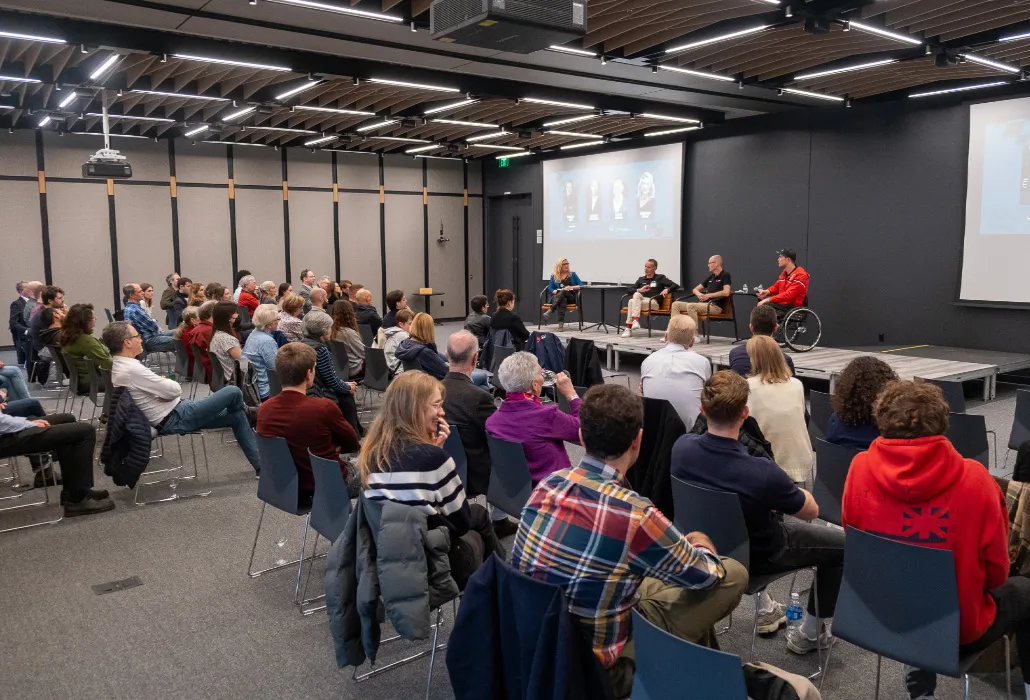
[248,300]
[790,289]
[923,492]
[307,423]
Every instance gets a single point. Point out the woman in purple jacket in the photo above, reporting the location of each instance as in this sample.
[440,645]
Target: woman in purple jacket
[542,430]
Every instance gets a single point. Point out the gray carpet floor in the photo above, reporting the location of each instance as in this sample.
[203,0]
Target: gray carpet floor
[199,627]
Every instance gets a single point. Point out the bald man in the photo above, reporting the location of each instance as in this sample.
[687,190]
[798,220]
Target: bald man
[676,372]
[711,293]
[364,310]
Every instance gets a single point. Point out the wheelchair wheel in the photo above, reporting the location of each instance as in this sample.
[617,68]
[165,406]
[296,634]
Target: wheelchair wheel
[802,329]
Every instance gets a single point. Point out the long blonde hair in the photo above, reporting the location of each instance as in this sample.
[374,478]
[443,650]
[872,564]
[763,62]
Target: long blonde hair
[400,423]
[556,273]
[767,361]
[422,328]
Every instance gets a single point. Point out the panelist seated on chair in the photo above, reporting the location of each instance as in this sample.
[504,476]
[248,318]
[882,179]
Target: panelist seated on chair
[791,288]
[676,373]
[650,290]
[763,322]
[717,460]
[914,487]
[306,422]
[402,460]
[562,288]
[852,423]
[161,400]
[711,294]
[153,339]
[573,535]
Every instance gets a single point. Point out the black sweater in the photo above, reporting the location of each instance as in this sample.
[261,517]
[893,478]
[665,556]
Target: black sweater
[511,322]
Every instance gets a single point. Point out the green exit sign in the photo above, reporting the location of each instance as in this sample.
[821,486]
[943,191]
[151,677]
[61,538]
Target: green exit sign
[503,162]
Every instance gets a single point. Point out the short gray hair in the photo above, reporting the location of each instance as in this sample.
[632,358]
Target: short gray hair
[247,279]
[518,372]
[682,330]
[317,323]
[270,286]
[461,348]
[128,289]
[263,315]
[114,336]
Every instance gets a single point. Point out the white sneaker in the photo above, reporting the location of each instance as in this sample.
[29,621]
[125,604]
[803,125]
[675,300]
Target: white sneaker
[636,324]
[627,333]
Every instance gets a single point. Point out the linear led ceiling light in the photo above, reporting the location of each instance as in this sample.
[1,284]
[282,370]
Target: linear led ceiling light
[44,121]
[554,103]
[399,139]
[199,130]
[69,98]
[377,125]
[131,117]
[240,113]
[484,137]
[1006,67]
[769,2]
[180,96]
[666,132]
[960,89]
[300,88]
[577,52]
[341,10]
[582,145]
[570,120]
[575,134]
[458,122]
[422,149]
[333,110]
[716,39]
[417,86]
[880,31]
[104,67]
[1011,37]
[663,117]
[452,105]
[514,155]
[32,37]
[496,147]
[227,62]
[281,128]
[324,139]
[808,93]
[16,79]
[698,73]
[845,69]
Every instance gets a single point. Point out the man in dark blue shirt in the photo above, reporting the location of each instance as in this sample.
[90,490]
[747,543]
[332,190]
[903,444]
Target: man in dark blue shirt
[762,323]
[717,460]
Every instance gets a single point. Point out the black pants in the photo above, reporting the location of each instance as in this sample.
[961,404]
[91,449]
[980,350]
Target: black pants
[781,310]
[349,409]
[470,550]
[560,299]
[72,444]
[18,348]
[808,544]
[1013,599]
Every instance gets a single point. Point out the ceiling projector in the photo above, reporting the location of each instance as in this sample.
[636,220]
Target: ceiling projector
[107,164]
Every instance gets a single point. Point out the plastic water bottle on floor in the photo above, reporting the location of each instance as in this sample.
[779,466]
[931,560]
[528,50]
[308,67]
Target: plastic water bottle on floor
[794,610]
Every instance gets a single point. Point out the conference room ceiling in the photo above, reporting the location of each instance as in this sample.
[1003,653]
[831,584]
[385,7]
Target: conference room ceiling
[747,56]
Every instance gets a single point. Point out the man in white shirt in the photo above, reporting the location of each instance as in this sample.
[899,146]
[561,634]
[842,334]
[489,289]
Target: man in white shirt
[677,373]
[161,400]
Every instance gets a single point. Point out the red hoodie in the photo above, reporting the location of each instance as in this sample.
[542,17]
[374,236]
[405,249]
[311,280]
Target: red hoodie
[923,492]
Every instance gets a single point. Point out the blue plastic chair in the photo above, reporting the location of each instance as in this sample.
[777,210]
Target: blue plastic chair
[832,465]
[821,411]
[456,450]
[968,433]
[667,666]
[330,509]
[901,601]
[510,482]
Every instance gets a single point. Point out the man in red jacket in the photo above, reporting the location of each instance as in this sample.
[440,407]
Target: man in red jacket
[914,487]
[791,289]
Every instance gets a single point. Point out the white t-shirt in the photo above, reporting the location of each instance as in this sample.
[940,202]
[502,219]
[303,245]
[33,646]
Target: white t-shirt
[780,412]
[220,344]
[676,374]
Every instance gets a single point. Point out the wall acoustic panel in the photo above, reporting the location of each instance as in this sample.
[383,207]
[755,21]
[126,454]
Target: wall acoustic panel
[307,169]
[80,242]
[404,261]
[476,282]
[311,233]
[204,234]
[447,260]
[475,177]
[259,234]
[18,153]
[22,257]
[149,159]
[257,166]
[445,176]
[143,214]
[360,254]
[403,173]
[358,171]
[203,162]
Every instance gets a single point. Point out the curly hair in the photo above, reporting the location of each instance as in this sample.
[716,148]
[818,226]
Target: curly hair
[77,323]
[858,385]
[907,410]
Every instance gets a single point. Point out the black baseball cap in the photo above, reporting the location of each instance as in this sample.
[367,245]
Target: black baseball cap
[788,253]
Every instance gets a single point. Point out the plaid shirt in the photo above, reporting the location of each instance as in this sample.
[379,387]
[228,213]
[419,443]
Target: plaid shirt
[141,321]
[586,530]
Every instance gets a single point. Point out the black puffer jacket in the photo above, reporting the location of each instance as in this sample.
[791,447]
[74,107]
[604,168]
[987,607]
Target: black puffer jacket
[126,449]
[751,436]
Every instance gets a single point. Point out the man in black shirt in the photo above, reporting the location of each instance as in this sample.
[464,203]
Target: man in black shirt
[711,294]
[653,288]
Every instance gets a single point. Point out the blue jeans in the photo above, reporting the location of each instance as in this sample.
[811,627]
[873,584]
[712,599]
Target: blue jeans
[12,380]
[24,408]
[162,342]
[481,379]
[223,409]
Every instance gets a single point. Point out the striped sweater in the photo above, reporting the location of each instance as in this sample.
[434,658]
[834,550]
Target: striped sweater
[424,476]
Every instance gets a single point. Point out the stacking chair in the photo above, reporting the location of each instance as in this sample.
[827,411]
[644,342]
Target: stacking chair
[68,362]
[545,305]
[244,313]
[667,665]
[110,317]
[275,386]
[563,403]
[454,447]
[501,353]
[901,601]
[718,514]
[707,317]
[664,309]
[18,494]
[411,365]
[182,360]
[953,394]
[367,336]
[832,465]
[510,482]
[968,433]
[330,509]
[217,373]
[98,392]
[377,372]
[65,390]
[340,361]
[1020,431]
[820,415]
[201,374]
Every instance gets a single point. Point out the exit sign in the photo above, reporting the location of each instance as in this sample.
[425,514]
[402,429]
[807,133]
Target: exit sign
[503,162]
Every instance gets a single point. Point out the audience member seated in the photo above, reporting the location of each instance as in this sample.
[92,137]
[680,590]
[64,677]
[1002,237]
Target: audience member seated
[185,333]
[181,299]
[677,373]
[248,294]
[161,400]
[50,298]
[573,534]
[50,321]
[402,460]
[197,296]
[307,283]
[478,321]
[167,301]
[32,409]
[307,422]
[16,322]
[716,460]
[366,313]
[318,299]
[154,339]
[34,291]
[352,292]
[77,340]
[215,292]
[506,319]
[393,337]
[201,336]
[327,382]
[542,429]
[345,286]
[763,322]
[395,301]
[225,345]
[345,330]
[912,473]
[852,423]
[147,302]
[777,401]
[285,289]
[289,318]
[12,380]
[420,347]
[240,274]
[261,348]
[267,292]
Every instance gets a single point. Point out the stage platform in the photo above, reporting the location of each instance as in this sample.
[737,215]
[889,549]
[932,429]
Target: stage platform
[925,361]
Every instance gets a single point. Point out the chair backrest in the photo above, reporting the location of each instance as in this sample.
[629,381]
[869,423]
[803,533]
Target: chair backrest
[277,483]
[410,365]
[330,506]
[110,317]
[275,387]
[244,314]
[182,359]
[510,482]
[96,385]
[367,336]
[340,361]
[715,513]
[821,411]
[62,368]
[456,450]
[377,371]
[899,600]
[968,433]
[953,394]
[501,353]
[108,392]
[832,465]
[198,363]
[563,403]
[667,665]
[217,373]
[1020,432]
[73,371]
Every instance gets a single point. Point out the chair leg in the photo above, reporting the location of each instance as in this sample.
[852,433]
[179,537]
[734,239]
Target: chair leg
[1008,667]
[879,660]
[754,631]
[300,561]
[304,595]
[253,549]
[432,655]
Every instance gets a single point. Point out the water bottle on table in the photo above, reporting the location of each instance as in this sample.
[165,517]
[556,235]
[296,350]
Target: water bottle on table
[794,610]
[744,289]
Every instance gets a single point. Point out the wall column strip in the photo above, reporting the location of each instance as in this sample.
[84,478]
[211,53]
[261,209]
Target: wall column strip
[116,283]
[44,216]
[465,215]
[232,212]
[286,213]
[382,224]
[176,260]
[336,217]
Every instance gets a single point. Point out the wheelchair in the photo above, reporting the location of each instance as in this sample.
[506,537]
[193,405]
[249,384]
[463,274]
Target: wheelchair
[800,328]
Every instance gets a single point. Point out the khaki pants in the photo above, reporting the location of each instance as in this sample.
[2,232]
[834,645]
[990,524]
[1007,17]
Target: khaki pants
[693,308]
[686,613]
[637,302]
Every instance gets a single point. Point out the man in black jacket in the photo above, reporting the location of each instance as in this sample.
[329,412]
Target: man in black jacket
[651,288]
[17,324]
[365,312]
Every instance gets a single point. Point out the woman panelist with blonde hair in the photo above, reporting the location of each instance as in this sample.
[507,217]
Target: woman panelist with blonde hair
[563,285]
